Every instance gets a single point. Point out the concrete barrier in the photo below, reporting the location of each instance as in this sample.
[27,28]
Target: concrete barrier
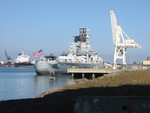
[114,104]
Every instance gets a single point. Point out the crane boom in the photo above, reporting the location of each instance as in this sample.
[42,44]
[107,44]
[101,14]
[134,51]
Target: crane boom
[8,57]
[6,54]
[121,44]
[116,30]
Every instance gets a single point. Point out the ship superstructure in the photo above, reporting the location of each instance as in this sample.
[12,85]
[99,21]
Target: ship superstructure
[80,55]
[80,51]
[23,60]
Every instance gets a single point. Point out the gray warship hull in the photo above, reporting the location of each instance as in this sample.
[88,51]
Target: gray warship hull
[79,55]
[64,66]
[45,68]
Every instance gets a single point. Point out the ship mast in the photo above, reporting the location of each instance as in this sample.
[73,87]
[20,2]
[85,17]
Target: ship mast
[121,44]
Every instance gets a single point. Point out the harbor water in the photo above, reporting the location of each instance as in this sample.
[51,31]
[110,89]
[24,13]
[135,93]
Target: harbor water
[20,83]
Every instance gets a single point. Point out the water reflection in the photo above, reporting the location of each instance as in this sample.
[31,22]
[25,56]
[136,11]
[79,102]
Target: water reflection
[16,83]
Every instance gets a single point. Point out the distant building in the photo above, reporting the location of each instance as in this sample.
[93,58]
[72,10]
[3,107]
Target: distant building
[146,63]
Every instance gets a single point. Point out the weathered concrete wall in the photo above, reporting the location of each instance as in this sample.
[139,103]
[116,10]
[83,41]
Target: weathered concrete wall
[112,105]
[90,70]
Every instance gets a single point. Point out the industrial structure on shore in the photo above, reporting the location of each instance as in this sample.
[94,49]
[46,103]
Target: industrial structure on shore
[121,44]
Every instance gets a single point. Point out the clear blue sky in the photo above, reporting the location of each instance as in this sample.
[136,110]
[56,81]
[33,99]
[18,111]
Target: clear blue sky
[30,25]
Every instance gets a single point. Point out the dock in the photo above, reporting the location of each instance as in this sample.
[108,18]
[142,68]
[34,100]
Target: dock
[90,72]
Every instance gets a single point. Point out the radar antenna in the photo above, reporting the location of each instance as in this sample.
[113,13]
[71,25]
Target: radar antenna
[121,44]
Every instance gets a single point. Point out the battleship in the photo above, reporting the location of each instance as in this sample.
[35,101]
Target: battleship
[79,55]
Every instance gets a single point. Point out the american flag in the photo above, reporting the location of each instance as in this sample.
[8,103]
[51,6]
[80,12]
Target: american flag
[38,53]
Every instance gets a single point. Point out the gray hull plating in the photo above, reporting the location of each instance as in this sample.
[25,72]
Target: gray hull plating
[45,68]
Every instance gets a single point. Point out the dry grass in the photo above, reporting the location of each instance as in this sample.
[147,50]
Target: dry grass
[138,77]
